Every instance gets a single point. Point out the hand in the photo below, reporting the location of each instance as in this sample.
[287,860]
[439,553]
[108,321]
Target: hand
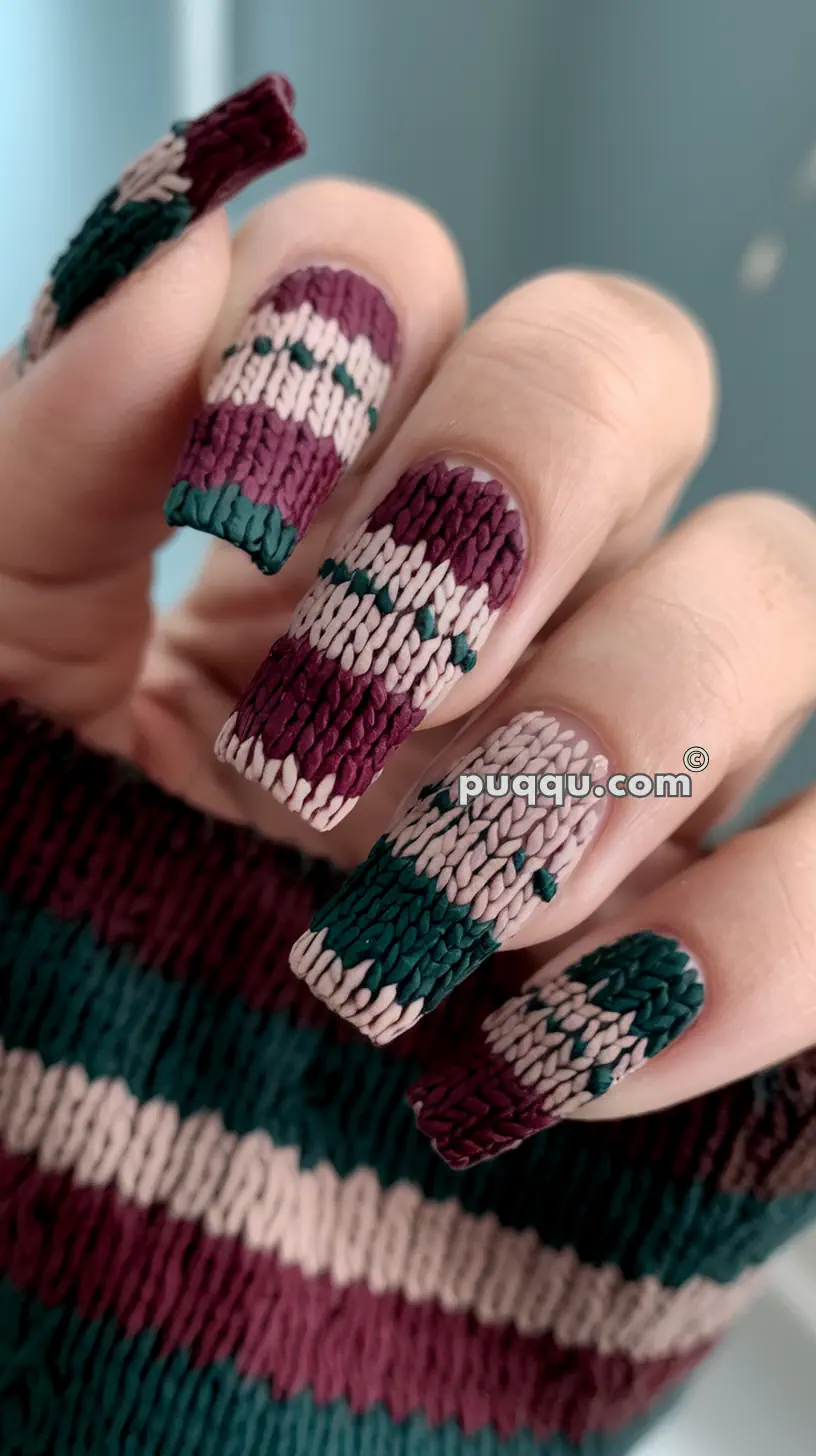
[587,400]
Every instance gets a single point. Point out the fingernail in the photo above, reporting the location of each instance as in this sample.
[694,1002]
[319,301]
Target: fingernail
[297,397]
[560,1044]
[444,889]
[196,166]
[398,614]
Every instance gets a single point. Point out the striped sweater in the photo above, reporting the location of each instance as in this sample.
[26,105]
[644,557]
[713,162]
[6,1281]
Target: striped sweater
[221,1233]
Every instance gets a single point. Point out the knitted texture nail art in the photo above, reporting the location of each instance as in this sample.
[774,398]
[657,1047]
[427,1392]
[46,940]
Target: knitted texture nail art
[297,397]
[221,1233]
[558,1045]
[196,166]
[440,893]
[397,616]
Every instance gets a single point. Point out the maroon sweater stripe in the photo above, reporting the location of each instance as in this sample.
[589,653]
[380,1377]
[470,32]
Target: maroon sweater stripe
[201,900]
[218,1300]
[274,461]
[88,840]
[470,523]
[330,720]
[231,145]
[338,293]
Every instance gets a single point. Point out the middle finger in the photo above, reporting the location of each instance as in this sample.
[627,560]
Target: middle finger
[550,426]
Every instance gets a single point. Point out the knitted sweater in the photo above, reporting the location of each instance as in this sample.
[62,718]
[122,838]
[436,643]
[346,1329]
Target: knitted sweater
[220,1231]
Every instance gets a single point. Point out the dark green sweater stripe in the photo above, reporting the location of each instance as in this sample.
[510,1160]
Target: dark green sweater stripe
[71,1384]
[73,1000]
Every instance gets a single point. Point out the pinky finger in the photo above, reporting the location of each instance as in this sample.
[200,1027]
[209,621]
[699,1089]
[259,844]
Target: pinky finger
[714,970]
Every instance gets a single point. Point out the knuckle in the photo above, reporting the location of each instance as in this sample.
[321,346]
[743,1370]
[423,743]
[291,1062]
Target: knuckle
[545,369]
[707,651]
[774,537]
[608,348]
[624,304]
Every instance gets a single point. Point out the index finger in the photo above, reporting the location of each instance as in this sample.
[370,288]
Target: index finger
[81,499]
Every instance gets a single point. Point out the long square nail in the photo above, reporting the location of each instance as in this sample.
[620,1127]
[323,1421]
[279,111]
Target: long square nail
[196,166]
[558,1045]
[297,397]
[398,614]
[452,881]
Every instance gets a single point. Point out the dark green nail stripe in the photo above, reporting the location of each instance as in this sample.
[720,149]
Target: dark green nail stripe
[644,975]
[361,583]
[648,975]
[419,941]
[300,353]
[225,512]
[544,884]
[111,245]
[71,999]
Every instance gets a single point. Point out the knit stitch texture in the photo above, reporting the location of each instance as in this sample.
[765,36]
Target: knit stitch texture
[442,890]
[398,614]
[560,1043]
[196,166]
[297,397]
[221,1232]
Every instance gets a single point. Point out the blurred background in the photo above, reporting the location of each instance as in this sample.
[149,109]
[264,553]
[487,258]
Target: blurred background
[674,141]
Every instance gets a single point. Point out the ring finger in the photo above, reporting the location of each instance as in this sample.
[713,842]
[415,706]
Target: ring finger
[623,994]
[709,642]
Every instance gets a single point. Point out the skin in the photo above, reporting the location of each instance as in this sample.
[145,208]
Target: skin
[592,397]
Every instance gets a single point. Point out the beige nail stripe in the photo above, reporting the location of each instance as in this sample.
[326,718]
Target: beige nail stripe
[300,394]
[155,176]
[355,633]
[485,858]
[351,1229]
[544,1059]
[473,862]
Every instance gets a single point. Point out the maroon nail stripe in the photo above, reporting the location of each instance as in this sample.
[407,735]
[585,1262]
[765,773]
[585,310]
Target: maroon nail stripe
[275,462]
[330,720]
[468,522]
[475,1109]
[338,293]
[296,399]
[231,145]
[335,720]
[216,1299]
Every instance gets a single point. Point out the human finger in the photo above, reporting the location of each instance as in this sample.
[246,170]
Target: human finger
[710,641]
[547,425]
[728,941]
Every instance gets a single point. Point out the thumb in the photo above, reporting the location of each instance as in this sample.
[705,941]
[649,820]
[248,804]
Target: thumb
[88,440]
[90,433]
